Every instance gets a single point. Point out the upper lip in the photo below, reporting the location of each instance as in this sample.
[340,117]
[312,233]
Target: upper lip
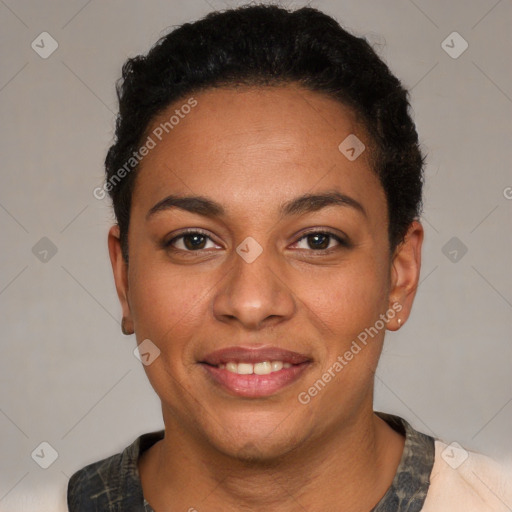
[254,355]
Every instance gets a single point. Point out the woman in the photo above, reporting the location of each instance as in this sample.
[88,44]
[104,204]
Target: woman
[266,179]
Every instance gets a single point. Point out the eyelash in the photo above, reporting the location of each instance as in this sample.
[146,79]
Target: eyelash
[196,231]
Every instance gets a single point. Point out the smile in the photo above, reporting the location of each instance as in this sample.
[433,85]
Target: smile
[262,368]
[254,373]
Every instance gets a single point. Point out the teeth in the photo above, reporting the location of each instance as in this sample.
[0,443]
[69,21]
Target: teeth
[262,368]
[232,367]
[276,365]
[245,368]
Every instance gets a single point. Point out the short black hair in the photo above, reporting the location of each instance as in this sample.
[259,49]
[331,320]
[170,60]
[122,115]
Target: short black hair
[270,45]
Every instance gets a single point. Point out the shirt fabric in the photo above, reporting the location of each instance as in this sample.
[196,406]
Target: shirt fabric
[466,481]
[113,484]
[424,481]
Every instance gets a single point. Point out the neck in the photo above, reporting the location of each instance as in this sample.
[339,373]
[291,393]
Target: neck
[361,458]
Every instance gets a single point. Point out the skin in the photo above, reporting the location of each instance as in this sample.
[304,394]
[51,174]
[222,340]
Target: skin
[252,149]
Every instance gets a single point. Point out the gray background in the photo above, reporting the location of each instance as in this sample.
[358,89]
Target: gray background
[67,374]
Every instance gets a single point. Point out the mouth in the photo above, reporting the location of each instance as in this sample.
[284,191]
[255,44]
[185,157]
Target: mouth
[254,372]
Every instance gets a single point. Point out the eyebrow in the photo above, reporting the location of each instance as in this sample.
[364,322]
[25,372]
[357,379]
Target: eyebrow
[300,205]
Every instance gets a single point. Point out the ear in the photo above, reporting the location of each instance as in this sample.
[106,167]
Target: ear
[120,270]
[405,273]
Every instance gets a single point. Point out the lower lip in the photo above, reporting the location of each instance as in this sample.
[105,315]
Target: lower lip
[255,386]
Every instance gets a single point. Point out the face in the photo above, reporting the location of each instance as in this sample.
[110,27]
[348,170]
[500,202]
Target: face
[259,278]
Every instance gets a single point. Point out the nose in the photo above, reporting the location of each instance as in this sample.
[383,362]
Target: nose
[254,294]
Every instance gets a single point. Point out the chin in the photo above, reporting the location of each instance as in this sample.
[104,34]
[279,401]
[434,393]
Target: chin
[257,452]
[256,442]
[253,453]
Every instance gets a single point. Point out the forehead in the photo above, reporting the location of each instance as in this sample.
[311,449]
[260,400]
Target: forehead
[248,143]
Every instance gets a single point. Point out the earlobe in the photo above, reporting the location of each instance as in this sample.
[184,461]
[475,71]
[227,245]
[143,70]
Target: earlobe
[405,272]
[120,271]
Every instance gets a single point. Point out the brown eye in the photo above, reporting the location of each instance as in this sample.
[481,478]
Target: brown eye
[321,241]
[193,242]
[318,241]
[189,241]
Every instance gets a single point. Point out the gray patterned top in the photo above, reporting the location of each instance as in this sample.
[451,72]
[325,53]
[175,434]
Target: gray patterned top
[113,484]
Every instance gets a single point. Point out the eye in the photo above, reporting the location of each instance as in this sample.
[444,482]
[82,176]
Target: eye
[196,240]
[190,241]
[321,241]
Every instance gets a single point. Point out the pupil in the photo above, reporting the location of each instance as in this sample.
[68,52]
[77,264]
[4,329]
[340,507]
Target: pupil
[194,244]
[323,245]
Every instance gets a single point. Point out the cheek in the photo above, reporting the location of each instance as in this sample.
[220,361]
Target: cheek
[347,299]
[165,305]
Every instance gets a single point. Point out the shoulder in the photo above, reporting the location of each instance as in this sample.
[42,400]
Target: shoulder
[95,485]
[467,481]
[112,483]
